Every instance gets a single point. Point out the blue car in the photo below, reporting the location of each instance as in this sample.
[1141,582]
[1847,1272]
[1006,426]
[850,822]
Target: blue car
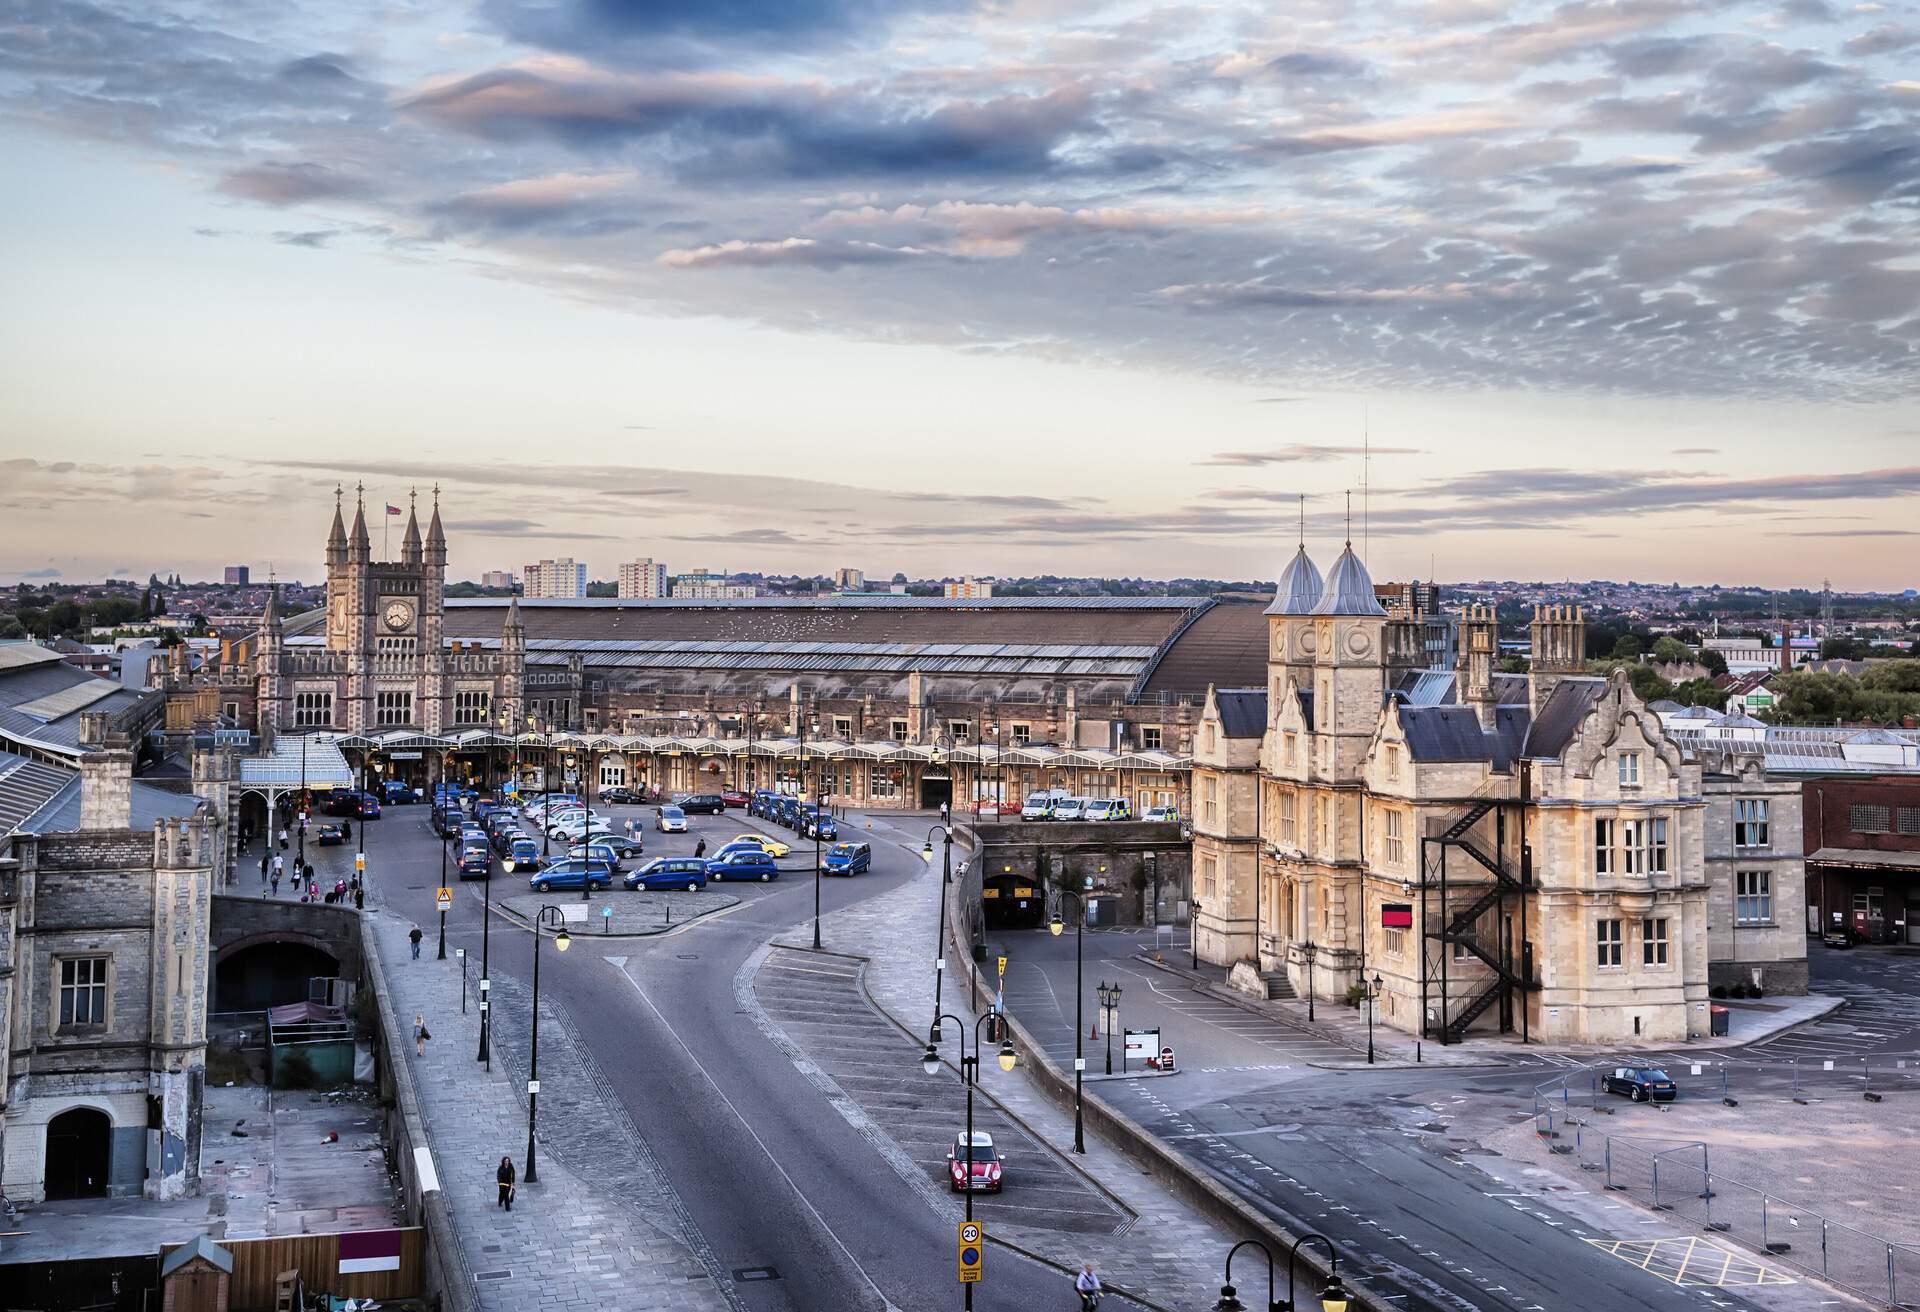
[761,803]
[522,854]
[818,818]
[743,863]
[847,859]
[665,873]
[570,874]
[729,849]
[786,812]
[396,792]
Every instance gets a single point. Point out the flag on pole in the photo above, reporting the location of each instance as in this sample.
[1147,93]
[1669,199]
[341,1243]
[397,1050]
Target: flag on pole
[393,510]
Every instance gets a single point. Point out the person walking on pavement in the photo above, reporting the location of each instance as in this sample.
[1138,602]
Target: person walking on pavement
[700,848]
[266,863]
[359,898]
[283,838]
[504,1178]
[276,881]
[413,936]
[1087,1285]
[346,831]
[420,1036]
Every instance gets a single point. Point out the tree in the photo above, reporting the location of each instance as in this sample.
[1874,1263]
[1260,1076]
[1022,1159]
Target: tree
[11,627]
[1627,648]
[1648,686]
[1699,692]
[1716,663]
[1671,651]
[159,602]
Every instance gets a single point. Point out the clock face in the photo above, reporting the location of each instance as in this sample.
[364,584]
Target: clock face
[397,615]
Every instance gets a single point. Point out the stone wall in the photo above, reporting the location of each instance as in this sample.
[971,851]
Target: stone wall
[240,922]
[1118,863]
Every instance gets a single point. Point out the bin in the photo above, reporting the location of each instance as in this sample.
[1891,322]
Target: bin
[1718,1017]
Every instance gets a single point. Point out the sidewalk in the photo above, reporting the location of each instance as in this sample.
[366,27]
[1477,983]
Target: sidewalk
[568,1245]
[1750,1021]
[1171,1256]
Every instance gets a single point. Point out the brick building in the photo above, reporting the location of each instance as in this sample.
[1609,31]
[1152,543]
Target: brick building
[1863,857]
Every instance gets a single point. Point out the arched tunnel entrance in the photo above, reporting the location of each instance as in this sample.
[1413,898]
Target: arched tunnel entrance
[1010,902]
[266,974]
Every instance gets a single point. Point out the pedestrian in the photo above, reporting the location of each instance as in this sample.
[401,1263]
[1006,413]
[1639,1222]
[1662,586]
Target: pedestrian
[346,831]
[306,869]
[420,1035]
[313,889]
[265,863]
[943,813]
[359,898]
[414,936]
[283,838]
[504,1178]
[276,883]
[1087,1285]
[629,829]
[340,890]
[700,848]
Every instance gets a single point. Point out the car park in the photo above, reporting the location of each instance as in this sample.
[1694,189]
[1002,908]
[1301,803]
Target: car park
[1162,814]
[571,874]
[847,859]
[1640,1083]
[330,835]
[523,854]
[475,862]
[773,846]
[700,803]
[664,873]
[671,820]
[1068,808]
[743,863]
[984,1159]
[622,797]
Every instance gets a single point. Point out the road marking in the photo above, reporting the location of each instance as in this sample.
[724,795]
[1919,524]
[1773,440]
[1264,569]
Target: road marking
[1690,1262]
[761,1143]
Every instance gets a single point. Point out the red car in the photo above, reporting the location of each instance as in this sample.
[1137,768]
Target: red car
[734,797]
[986,1164]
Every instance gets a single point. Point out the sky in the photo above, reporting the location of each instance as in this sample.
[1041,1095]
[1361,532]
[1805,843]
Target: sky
[1606,290]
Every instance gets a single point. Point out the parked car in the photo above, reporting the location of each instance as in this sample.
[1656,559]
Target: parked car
[1640,1083]
[1037,807]
[669,872]
[1162,813]
[596,851]
[760,804]
[524,853]
[472,833]
[733,797]
[786,811]
[398,792]
[475,862]
[1069,808]
[670,820]
[743,864]
[847,859]
[817,819]
[352,803]
[986,1164]
[1107,808]
[623,847]
[330,835]
[700,803]
[622,797]
[571,873]
[447,818]
[773,846]
[1837,937]
[576,827]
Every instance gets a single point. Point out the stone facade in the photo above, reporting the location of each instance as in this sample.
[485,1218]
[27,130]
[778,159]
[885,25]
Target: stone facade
[1756,875]
[104,1003]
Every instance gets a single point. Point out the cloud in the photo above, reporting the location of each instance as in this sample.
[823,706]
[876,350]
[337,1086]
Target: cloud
[283,184]
[1696,451]
[572,204]
[665,31]
[1301,453]
[1858,533]
[47,573]
[314,239]
[1409,130]
[802,252]
[1277,400]
[1882,40]
[523,528]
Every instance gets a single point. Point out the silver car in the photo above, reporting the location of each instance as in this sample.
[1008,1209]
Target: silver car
[1069,808]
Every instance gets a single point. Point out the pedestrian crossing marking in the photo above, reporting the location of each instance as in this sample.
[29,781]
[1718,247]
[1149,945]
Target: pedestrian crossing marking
[1692,1262]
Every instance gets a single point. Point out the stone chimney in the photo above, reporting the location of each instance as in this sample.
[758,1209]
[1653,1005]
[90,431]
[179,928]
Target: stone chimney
[1479,639]
[106,786]
[1559,648]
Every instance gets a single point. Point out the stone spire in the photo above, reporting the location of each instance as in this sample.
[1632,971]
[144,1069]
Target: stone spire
[270,617]
[410,544]
[436,536]
[337,535]
[1300,586]
[1349,589]
[359,546]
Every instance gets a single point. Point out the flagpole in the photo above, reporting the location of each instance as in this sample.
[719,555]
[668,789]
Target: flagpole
[384,518]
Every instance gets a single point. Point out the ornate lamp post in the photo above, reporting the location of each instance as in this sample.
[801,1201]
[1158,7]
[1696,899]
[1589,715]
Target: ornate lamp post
[940,917]
[969,1076]
[1333,1295]
[1373,995]
[1055,928]
[1109,1014]
[561,941]
[1309,950]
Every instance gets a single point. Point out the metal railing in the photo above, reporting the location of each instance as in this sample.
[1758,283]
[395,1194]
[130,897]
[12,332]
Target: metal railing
[1677,1176]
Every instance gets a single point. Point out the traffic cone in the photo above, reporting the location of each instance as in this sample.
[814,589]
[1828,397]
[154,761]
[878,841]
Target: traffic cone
[1093,1030]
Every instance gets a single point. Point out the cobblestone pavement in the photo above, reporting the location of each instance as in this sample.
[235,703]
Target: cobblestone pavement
[634,914]
[601,1228]
[1171,1255]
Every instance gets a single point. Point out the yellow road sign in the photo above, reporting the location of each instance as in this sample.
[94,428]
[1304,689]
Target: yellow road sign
[1001,965]
[973,1250]
[445,898]
[360,862]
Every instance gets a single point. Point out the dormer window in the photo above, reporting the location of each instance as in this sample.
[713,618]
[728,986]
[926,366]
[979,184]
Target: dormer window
[1629,769]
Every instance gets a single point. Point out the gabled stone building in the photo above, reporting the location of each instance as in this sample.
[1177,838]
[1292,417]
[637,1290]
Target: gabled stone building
[1505,853]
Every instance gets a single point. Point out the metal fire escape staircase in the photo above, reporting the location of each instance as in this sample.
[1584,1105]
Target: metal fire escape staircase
[1449,924]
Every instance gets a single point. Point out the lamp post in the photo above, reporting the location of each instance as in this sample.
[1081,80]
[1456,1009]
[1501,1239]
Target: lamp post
[1079,993]
[1193,934]
[546,787]
[486,933]
[969,1076]
[360,834]
[1373,994]
[1333,1295]
[561,941]
[1109,1013]
[940,917]
[1309,950]
[301,855]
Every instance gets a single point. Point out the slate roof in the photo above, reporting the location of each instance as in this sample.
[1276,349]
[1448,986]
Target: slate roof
[62,814]
[26,787]
[49,689]
[1453,733]
[1243,711]
[200,1246]
[1225,645]
[1560,717]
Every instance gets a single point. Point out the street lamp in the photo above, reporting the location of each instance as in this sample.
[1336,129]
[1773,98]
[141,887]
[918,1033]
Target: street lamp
[486,934]
[1373,994]
[969,1076]
[940,919]
[1333,1295]
[1309,950]
[561,941]
[546,787]
[801,724]
[1109,1013]
[1055,927]
[1193,934]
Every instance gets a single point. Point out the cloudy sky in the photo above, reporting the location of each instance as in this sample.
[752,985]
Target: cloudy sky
[1614,289]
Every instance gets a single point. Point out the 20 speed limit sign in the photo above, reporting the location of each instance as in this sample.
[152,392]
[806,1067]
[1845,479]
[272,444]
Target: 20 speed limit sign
[971,1252]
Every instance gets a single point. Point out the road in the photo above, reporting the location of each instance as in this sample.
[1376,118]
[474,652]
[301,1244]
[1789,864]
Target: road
[798,1211]
[1384,1162]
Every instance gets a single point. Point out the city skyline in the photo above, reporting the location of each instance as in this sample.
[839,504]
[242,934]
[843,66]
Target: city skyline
[960,288]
